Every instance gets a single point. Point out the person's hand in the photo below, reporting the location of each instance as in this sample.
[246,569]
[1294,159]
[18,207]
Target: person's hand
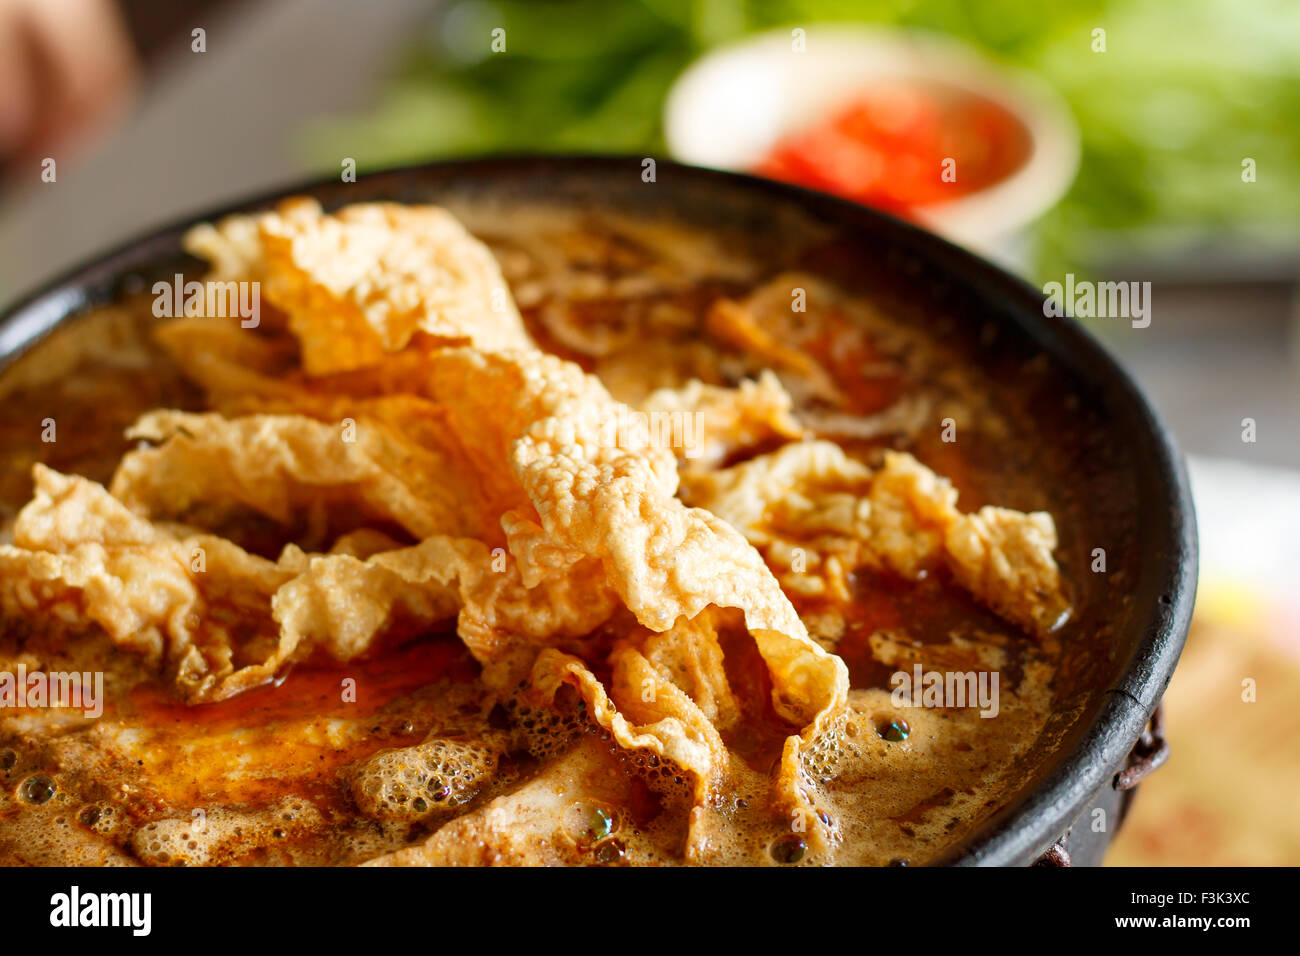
[66,68]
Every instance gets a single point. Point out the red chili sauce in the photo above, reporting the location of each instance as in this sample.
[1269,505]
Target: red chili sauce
[904,145]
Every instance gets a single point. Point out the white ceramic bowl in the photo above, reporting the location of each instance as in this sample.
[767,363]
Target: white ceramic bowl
[729,108]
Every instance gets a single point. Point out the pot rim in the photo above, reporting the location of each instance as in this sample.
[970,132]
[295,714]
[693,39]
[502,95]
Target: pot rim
[1019,832]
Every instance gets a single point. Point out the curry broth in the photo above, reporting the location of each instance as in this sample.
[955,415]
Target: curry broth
[273,770]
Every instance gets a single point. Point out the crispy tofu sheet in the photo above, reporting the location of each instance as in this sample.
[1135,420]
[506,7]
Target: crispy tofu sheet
[435,467]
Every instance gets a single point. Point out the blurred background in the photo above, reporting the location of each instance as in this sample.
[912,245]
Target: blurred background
[1111,140]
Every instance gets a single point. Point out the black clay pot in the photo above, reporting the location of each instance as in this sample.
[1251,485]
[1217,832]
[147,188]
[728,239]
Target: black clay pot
[1144,487]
